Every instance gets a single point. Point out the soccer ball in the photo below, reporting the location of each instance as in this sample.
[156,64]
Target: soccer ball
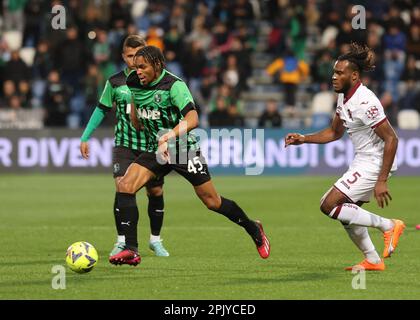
[81,257]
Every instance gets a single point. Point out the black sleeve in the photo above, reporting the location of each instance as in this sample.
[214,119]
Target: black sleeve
[104,107]
[190,106]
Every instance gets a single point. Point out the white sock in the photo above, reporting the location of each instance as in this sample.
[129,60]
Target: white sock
[154,238]
[360,237]
[352,214]
[120,238]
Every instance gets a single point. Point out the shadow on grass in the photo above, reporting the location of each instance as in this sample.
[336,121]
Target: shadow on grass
[18,264]
[293,277]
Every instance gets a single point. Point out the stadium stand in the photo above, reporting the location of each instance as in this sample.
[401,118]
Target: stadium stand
[209,43]
[408,119]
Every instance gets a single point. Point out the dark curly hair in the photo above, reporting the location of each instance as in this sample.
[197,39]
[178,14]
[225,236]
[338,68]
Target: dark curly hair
[152,55]
[360,57]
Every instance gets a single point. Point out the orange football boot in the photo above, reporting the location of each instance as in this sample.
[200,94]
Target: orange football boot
[392,236]
[367,266]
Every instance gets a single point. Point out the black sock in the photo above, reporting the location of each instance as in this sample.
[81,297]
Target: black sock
[234,213]
[129,217]
[155,210]
[117,216]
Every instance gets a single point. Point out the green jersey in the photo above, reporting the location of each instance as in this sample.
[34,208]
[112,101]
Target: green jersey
[161,105]
[116,90]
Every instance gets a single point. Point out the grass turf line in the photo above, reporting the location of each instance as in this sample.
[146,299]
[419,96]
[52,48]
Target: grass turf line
[211,258]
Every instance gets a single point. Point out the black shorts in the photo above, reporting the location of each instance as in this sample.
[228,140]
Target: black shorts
[122,157]
[195,170]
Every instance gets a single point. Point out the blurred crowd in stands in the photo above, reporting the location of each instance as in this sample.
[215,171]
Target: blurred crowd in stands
[226,50]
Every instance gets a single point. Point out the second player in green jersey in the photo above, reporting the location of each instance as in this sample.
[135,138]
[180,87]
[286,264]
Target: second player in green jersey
[129,143]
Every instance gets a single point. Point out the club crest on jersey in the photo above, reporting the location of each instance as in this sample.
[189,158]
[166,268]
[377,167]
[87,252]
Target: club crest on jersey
[372,112]
[148,114]
[158,98]
[116,167]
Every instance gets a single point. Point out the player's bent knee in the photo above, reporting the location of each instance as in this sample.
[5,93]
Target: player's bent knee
[325,208]
[155,191]
[126,187]
[212,203]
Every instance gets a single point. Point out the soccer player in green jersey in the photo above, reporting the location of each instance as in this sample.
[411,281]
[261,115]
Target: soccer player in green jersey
[164,102]
[129,143]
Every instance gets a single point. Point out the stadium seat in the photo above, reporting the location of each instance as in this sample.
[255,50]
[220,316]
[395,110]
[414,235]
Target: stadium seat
[408,119]
[328,35]
[322,109]
[321,120]
[323,102]
[13,39]
[27,54]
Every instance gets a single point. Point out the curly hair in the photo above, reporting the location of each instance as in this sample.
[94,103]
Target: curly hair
[152,55]
[360,56]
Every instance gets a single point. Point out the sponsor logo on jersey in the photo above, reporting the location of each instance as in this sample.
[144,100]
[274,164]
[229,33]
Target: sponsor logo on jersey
[372,112]
[158,98]
[124,91]
[148,114]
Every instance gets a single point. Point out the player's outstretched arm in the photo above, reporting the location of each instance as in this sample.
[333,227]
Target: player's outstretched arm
[388,135]
[189,122]
[95,120]
[84,149]
[294,139]
[330,134]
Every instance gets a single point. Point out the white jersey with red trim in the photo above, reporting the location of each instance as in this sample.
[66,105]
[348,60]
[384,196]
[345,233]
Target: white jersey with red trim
[361,112]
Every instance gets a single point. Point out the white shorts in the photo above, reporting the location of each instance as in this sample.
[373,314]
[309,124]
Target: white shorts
[357,185]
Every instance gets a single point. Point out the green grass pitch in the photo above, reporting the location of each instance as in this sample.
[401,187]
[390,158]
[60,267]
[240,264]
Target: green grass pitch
[211,258]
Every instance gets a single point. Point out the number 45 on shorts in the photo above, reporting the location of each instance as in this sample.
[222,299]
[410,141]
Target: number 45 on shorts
[195,165]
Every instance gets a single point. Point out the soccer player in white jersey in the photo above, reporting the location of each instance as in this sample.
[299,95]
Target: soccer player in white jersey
[360,113]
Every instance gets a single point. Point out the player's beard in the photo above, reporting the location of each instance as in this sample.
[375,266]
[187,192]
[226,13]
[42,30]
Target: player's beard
[345,88]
